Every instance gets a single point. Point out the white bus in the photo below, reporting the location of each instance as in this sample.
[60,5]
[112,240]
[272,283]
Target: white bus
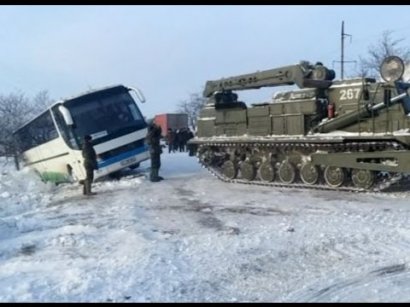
[51,142]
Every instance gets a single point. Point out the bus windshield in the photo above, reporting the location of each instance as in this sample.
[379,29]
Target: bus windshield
[108,115]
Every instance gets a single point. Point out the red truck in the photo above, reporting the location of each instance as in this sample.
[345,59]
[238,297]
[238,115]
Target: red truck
[171,120]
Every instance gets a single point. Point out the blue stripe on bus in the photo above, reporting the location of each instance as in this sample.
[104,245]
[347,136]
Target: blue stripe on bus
[122,156]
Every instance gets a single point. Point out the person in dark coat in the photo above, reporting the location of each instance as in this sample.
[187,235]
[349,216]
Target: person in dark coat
[153,140]
[176,140]
[90,164]
[190,134]
[181,139]
[190,147]
[182,145]
[171,140]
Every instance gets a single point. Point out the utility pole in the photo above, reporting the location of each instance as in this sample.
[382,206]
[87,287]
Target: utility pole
[342,57]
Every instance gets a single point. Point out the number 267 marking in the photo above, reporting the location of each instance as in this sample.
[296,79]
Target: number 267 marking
[351,93]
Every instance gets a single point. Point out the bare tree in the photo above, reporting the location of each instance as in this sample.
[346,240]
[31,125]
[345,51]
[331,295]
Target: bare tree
[192,107]
[15,110]
[41,101]
[386,46]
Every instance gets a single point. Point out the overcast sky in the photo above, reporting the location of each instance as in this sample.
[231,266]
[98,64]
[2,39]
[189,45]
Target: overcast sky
[170,51]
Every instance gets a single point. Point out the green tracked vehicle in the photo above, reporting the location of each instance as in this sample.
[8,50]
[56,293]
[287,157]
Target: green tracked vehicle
[329,134]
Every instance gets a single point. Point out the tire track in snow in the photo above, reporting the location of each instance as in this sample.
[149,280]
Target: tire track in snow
[363,287]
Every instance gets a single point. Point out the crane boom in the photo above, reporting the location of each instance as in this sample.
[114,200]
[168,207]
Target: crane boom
[303,75]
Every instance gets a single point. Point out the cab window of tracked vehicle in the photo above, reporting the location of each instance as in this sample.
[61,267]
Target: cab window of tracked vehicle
[106,116]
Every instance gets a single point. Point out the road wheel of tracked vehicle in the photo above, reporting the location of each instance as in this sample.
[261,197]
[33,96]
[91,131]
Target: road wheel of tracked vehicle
[287,172]
[362,178]
[267,172]
[229,169]
[248,171]
[334,176]
[205,156]
[309,173]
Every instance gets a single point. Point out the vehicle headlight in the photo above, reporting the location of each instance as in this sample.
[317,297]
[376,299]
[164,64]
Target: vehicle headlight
[392,68]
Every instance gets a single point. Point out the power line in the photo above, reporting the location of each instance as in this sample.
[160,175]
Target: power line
[364,39]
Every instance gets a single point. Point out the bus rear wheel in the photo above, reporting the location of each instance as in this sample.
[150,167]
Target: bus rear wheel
[72,177]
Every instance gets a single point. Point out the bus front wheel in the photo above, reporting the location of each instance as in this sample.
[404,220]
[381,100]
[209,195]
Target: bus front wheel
[134,166]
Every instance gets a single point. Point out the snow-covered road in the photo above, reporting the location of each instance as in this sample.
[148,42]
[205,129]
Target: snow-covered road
[194,238]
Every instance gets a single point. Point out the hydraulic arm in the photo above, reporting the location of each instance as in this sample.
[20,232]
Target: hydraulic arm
[303,75]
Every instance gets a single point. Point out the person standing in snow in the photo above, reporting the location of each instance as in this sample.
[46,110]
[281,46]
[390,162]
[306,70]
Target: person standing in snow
[90,164]
[171,140]
[153,141]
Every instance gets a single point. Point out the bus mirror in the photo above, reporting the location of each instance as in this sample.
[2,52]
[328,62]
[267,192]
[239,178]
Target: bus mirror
[66,115]
[138,93]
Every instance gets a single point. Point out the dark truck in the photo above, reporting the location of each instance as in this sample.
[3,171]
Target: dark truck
[174,121]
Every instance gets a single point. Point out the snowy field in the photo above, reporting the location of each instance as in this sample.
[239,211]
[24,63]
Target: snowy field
[192,238]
